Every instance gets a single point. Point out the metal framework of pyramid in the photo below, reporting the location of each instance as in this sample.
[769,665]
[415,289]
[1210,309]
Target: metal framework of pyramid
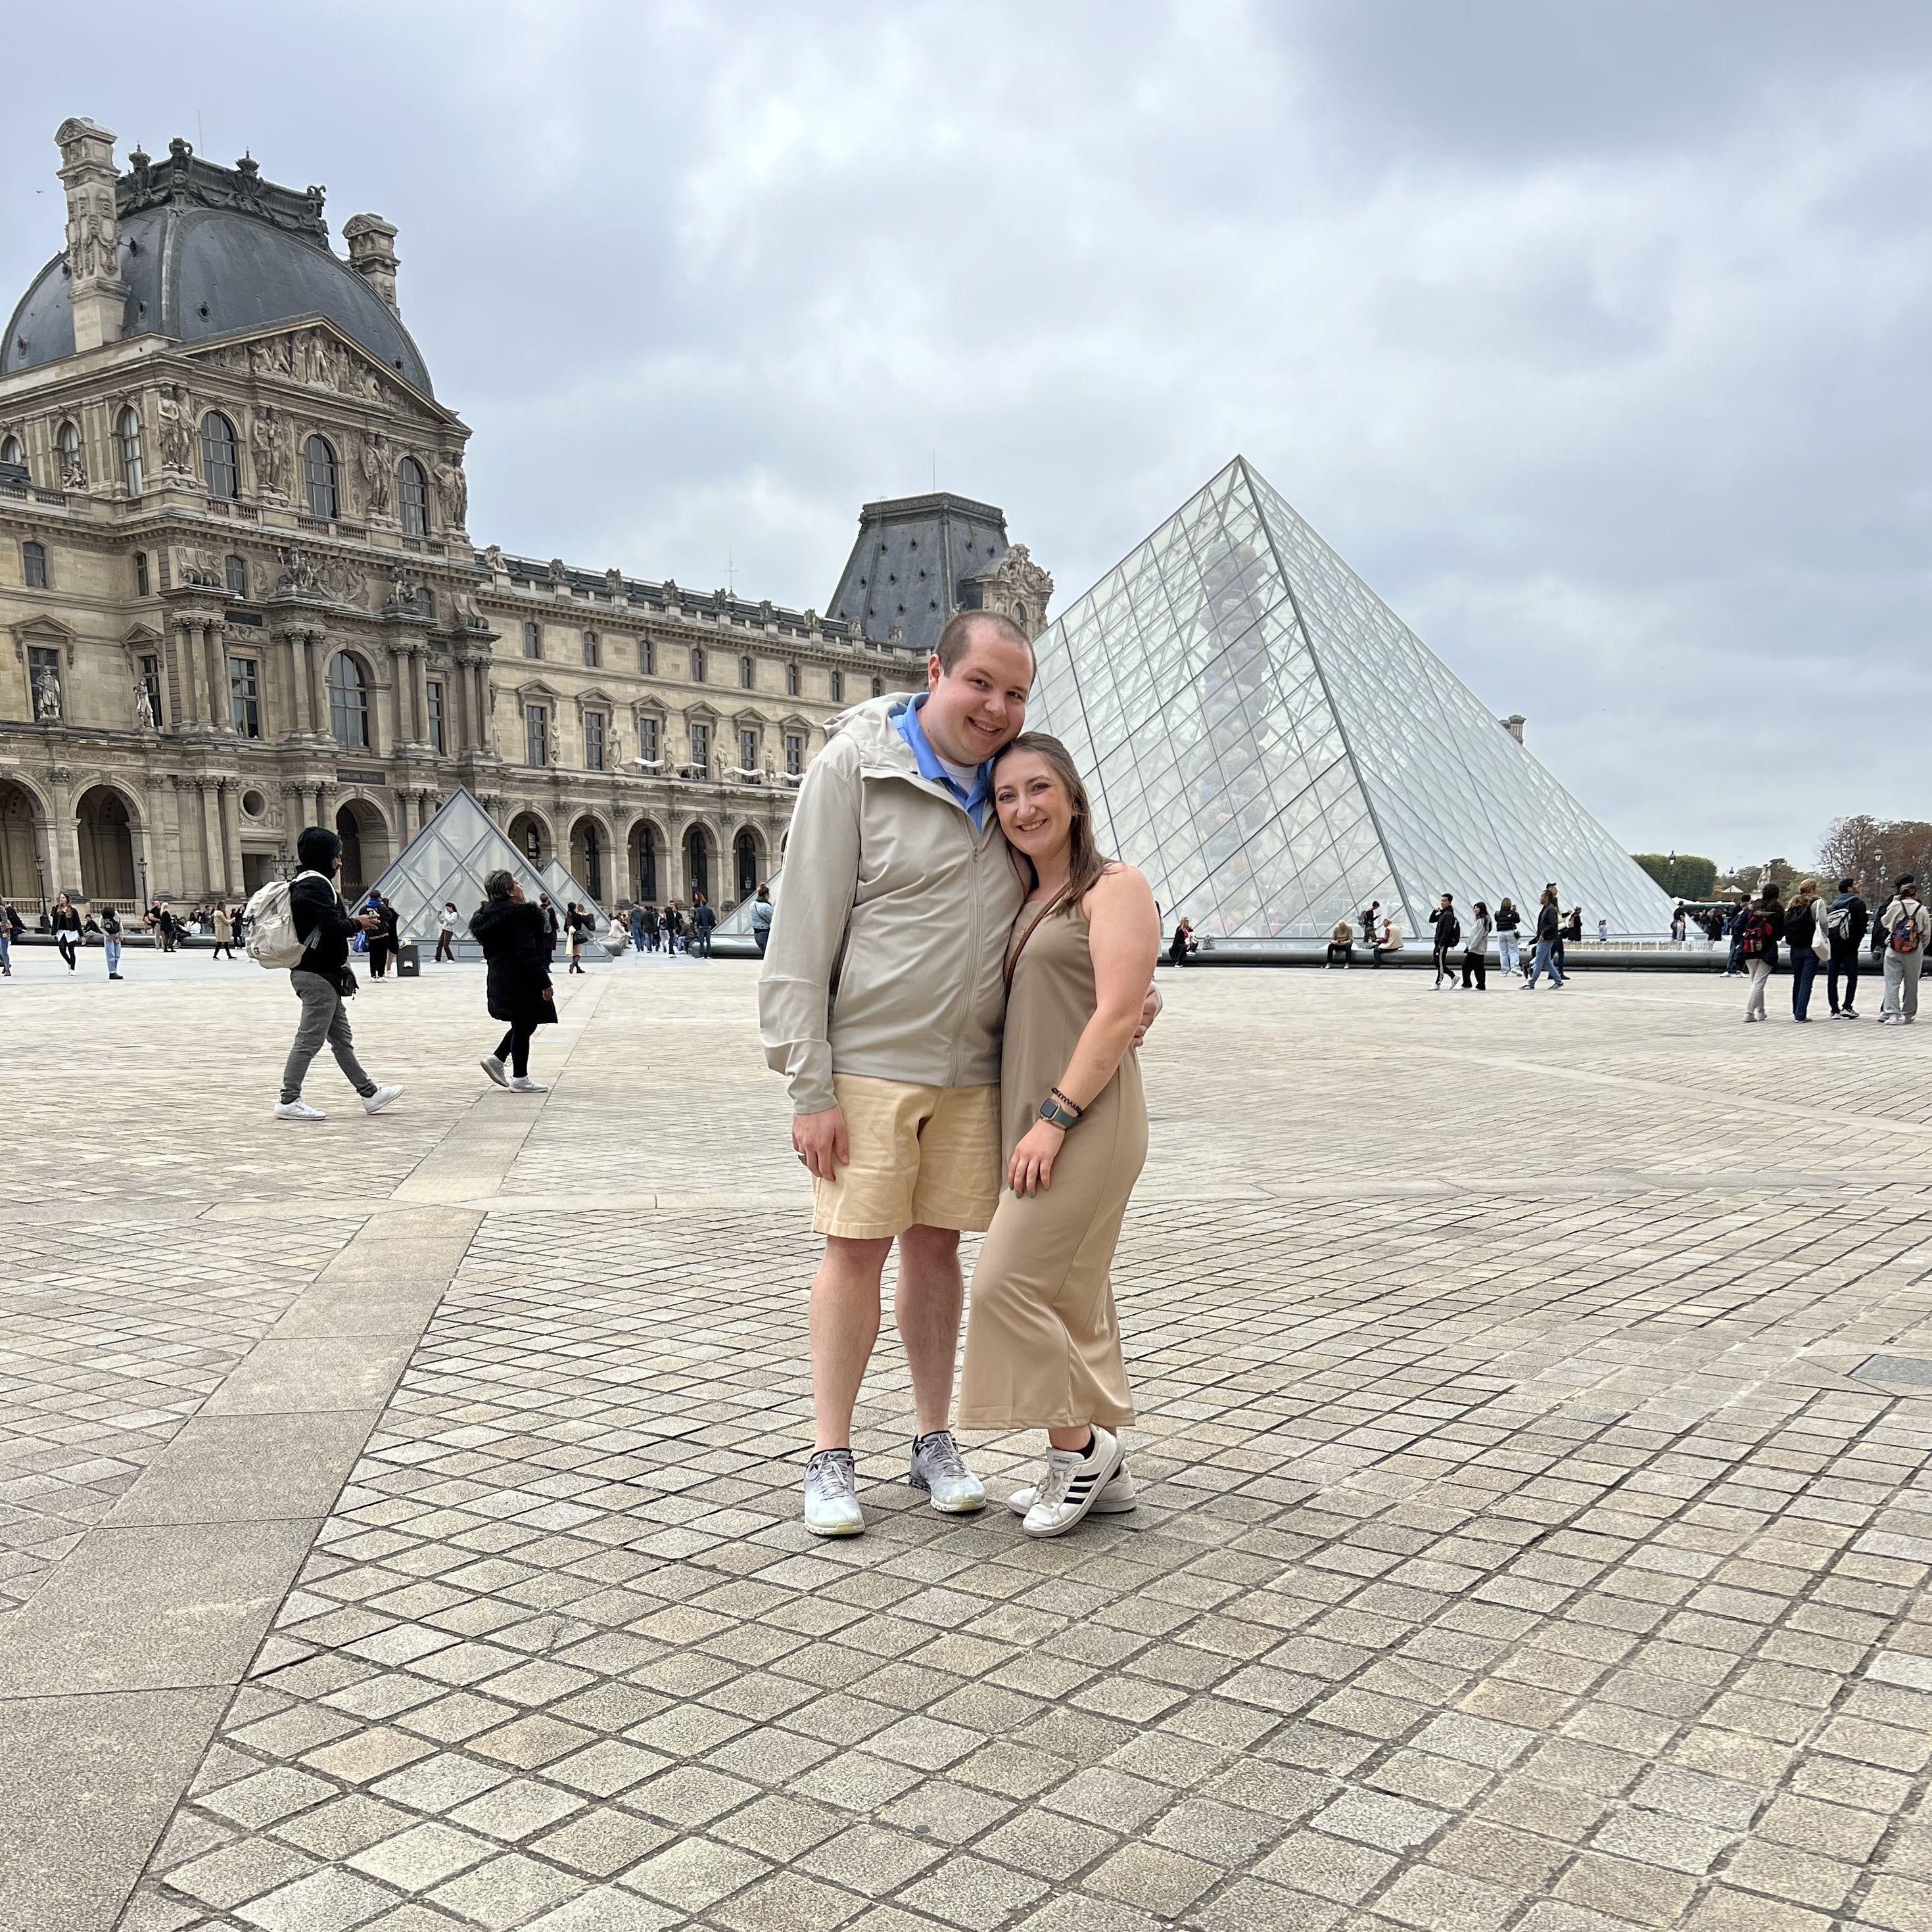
[563,888]
[1275,748]
[448,860]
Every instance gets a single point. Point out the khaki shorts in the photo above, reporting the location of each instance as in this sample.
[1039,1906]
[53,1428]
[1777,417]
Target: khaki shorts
[922,1157]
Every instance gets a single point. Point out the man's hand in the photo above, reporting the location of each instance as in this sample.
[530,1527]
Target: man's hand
[370,921]
[820,1141]
[1151,1008]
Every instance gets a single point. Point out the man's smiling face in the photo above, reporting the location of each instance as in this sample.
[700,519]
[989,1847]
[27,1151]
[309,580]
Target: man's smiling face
[979,706]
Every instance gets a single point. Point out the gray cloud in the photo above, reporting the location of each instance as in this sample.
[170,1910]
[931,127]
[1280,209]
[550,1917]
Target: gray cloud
[1592,337]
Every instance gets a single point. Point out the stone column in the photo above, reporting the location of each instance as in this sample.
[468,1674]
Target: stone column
[63,835]
[214,863]
[317,642]
[456,708]
[188,673]
[400,734]
[231,831]
[485,733]
[221,699]
[419,690]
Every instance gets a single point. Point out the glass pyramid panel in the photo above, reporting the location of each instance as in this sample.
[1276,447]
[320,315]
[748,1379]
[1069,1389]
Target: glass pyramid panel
[1275,747]
[563,888]
[448,861]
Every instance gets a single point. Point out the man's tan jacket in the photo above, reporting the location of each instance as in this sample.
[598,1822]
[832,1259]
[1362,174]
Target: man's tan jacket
[888,949]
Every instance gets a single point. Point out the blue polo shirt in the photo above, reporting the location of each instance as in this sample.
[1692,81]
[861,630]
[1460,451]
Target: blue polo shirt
[973,803]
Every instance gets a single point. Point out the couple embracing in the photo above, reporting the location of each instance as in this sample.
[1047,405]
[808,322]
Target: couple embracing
[954,985]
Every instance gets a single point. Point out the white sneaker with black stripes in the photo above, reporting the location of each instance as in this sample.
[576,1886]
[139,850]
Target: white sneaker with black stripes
[1071,1485]
[1118,1498]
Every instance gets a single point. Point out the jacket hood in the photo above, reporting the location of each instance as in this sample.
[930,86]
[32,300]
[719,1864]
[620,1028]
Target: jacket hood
[871,728]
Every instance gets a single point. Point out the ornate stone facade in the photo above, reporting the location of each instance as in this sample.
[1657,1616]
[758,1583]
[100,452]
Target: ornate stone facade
[238,597]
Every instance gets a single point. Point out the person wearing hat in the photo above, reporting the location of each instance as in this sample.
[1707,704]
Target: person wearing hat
[1907,926]
[321,979]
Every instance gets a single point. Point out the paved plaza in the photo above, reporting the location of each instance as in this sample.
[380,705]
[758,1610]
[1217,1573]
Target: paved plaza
[398,1516]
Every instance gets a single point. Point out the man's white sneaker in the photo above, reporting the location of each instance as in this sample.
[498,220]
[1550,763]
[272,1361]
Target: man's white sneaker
[492,1066]
[938,1468]
[832,1495]
[521,1083]
[374,1103]
[298,1110]
[1071,1483]
[1116,1498]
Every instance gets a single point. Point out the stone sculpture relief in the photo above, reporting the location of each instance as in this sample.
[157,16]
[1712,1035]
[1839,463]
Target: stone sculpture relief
[377,465]
[144,706]
[46,696]
[332,579]
[201,569]
[175,407]
[269,439]
[453,487]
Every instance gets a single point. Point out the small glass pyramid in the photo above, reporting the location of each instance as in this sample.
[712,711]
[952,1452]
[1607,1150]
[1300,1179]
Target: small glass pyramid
[1275,748]
[448,860]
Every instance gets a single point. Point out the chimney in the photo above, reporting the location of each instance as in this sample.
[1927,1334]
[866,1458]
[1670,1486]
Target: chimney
[94,288]
[372,253]
[1513,724]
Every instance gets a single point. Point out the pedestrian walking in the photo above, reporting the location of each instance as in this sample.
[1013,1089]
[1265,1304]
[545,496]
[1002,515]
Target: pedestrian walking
[1845,920]
[64,924]
[1509,921]
[10,929]
[110,940]
[384,936]
[1679,924]
[224,934]
[1801,936]
[1734,931]
[1907,926]
[576,922]
[1549,942]
[653,930]
[1603,932]
[1341,947]
[446,923]
[516,940]
[1476,948]
[1759,925]
[1043,1341]
[703,917]
[761,919]
[323,980]
[637,924]
[553,925]
[1448,933]
[1182,942]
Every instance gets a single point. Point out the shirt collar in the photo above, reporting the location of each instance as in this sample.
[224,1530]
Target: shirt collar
[907,723]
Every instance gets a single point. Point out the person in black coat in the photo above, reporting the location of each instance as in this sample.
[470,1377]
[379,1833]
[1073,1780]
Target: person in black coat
[384,936]
[515,938]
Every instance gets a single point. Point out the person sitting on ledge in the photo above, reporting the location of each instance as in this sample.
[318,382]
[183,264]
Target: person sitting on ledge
[1390,941]
[1341,945]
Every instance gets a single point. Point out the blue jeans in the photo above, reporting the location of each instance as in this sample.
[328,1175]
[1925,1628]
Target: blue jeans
[1506,958]
[112,947]
[1547,961]
[1804,971]
[6,947]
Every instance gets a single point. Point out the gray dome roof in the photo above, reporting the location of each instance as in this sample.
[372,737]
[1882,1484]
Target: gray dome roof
[194,272]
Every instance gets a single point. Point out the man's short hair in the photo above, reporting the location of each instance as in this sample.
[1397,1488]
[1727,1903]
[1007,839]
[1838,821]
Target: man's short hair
[956,639]
[1845,885]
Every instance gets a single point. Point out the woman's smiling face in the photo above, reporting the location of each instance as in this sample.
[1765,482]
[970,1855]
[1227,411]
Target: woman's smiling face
[1036,814]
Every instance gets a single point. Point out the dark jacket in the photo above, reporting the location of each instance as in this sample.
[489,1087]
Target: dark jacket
[1801,925]
[324,921]
[1548,924]
[515,939]
[110,922]
[703,917]
[1508,920]
[1448,927]
[1857,922]
[66,919]
[1749,948]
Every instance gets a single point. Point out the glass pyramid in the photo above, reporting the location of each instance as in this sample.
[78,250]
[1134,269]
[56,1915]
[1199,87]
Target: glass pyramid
[448,859]
[1275,748]
[563,889]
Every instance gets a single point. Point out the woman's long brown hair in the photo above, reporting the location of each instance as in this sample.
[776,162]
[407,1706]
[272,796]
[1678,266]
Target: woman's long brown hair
[1085,861]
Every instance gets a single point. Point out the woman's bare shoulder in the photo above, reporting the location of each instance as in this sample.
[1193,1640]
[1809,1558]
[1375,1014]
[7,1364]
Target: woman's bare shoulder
[1120,886]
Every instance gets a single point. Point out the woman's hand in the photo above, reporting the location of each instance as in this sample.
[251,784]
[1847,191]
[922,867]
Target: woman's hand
[1030,1169]
[547,995]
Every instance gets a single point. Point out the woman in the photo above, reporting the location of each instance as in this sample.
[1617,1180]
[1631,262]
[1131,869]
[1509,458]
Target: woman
[1043,1345]
[1507,920]
[1476,948]
[515,939]
[384,937]
[1801,930]
[576,920]
[224,934]
[65,926]
[110,940]
[1182,944]
[1388,941]
[446,934]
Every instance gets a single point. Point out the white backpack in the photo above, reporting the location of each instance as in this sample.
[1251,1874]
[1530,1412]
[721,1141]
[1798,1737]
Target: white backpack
[271,941]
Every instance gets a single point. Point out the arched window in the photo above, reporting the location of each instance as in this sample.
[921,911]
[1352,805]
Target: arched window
[878,687]
[593,655]
[235,574]
[348,702]
[319,478]
[11,452]
[220,469]
[745,849]
[748,674]
[412,494]
[839,687]
[532,640]
[127,436]
[698,664]
[791,680]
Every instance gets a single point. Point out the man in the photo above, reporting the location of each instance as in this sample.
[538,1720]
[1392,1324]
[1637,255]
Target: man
[322,979]
[1845,920]
[637,924]
[1448,930]
[761,919]
[552,925]
[1906,925]
[882,1001]
[1549,942]
[702,919]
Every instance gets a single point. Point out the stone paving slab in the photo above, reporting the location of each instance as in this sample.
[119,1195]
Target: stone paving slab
[1521,1545]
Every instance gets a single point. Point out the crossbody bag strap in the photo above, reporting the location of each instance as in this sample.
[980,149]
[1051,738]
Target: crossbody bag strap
[1046,912]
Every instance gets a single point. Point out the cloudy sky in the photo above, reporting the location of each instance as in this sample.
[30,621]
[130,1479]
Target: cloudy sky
[1594,336]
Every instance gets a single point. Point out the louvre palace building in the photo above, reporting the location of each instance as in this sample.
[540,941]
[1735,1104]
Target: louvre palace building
[241,596]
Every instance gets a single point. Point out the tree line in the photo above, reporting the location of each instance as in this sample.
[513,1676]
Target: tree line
[1874,851]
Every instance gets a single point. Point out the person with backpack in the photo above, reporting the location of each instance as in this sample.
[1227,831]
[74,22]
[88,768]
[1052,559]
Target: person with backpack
[702,919]
[10,929]
[1508,922]
[515,938]
[1549,942]
[110,940]
[1448,930]
[1845,920]
[552,925]
[310,917]
[1758,925]
[1475,952]
[576,923]
[1906,925]
[1801,934]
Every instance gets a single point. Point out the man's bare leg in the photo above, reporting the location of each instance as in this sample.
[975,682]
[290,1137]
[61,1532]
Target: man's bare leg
[928,1304]
[845,1323]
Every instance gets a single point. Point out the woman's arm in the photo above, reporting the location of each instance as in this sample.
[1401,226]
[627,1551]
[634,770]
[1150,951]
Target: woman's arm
[1123,938]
